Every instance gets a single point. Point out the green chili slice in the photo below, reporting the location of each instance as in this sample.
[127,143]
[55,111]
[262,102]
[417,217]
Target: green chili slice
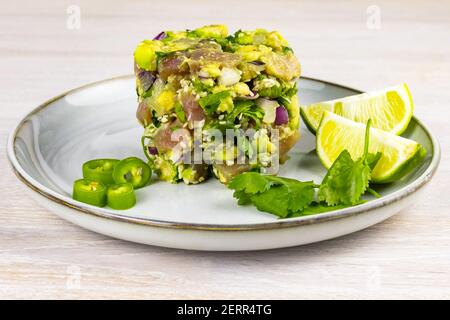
[121,196]
[132,170]
[90,191]
[100,170]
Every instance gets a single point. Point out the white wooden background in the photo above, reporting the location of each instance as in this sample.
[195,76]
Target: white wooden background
[407,256]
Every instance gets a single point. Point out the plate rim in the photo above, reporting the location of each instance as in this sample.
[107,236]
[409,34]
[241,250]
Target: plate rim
[52,195]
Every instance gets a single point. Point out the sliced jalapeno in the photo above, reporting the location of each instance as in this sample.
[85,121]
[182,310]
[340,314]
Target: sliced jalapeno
[90,191]
[100,170]
[121,196]
[132,170]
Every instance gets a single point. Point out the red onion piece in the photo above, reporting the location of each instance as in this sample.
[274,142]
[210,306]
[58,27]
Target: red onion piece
[282,116]
[153,151]
[160,36]
[146,78]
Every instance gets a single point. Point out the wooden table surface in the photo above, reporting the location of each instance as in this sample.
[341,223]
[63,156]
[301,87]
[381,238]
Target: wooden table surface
[41,55]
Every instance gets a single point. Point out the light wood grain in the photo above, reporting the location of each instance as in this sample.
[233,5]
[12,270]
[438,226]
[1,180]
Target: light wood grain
[408,256]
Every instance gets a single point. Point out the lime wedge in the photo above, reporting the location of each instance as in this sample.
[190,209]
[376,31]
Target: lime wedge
[390,109]
[399,155]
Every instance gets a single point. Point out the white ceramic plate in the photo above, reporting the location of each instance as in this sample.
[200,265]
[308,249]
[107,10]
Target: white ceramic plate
[48,147]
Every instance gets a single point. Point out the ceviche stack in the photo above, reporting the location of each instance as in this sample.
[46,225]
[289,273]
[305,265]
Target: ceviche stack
[194,84]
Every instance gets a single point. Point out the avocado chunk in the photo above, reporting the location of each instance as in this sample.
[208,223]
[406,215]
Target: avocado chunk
[212,31]
[145,54]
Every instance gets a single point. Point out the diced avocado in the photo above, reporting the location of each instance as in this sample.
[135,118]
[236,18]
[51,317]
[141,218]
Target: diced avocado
[170,35]
[294,112]
[194,173]
[188,175]
[212,31]
[167,171]
[241,89]
[165,102]
[211,70]
[145,54]
[248,52]
[250,71]
[180,44]
[219,88]
[226,105]
[275,40]
[244,37]
[260,36]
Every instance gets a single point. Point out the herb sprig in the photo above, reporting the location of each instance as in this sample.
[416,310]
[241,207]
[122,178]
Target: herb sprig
[343,185]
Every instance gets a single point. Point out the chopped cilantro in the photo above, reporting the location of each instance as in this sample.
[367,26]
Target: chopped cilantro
[180,112]
[211,102]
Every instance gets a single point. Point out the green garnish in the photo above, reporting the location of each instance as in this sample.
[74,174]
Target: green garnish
[344,184]
[347,180]
[277,195]
[272,92]
[211,102]
[318,207]
[199,86]
[178,108]
[248,110]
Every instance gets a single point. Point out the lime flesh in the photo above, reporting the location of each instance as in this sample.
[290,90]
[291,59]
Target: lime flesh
[390,109]
[399,155]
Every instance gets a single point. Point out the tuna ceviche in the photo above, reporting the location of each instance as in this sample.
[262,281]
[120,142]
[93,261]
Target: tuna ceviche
[214,103]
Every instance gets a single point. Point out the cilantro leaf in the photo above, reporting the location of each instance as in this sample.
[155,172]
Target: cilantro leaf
[250,182]
[240,106]
[347,180]
[179,111]
[199,86]
[277,195]
[317,207]
[242,197]
[301,195]
[372,159]
[211,102]
[248,109]
[271,92]
[344,184]
[275,201]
